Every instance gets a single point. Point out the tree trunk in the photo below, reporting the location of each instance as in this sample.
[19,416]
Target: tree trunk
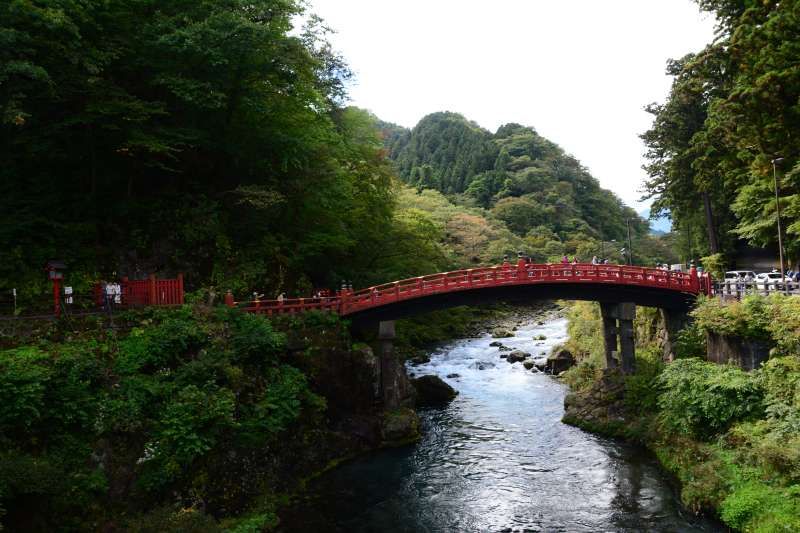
[710,225]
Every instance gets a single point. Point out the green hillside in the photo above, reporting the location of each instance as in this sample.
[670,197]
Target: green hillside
[542,193]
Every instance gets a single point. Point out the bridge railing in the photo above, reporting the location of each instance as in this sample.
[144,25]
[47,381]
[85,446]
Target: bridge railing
[348,302]
[522,274]
[289,306]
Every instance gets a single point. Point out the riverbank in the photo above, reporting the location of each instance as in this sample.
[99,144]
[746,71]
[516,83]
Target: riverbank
[196,418]
[730,438]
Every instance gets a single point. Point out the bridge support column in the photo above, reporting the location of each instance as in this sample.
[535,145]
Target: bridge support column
[609,333]
[618,323]
[673,322]
[390,388]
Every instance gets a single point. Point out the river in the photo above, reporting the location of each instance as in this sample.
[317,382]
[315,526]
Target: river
[498,459]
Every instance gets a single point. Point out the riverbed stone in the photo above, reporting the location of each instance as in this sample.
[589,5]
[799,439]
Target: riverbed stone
[527,364]
[481,365]
[495,343]
[432,390]
[517,356]
[453,376]
[420,360]
[560,360]
[505,348]
[501,333]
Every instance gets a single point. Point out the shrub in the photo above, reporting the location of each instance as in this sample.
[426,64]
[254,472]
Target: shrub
[748,318]
[702,399]
[784,323]
[161,346]
[24,377]
[690,342]
[641,389]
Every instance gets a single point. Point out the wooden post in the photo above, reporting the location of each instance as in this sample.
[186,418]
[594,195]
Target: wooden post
[229,299]
[56,297]
[180,288]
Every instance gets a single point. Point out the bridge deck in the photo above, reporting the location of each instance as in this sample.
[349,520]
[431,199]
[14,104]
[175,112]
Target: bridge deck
[352,302]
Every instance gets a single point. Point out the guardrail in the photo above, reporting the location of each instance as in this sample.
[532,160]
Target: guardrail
[739,289]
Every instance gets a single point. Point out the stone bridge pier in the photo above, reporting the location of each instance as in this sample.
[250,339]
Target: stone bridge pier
[390,366]
[618,335]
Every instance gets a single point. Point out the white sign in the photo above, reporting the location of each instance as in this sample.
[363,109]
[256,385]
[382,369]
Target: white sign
[67,290]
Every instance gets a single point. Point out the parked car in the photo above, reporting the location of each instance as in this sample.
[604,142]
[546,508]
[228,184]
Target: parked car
[770,281]
[736,280]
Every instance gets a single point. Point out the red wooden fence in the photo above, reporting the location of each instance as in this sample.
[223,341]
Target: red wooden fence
[150,291]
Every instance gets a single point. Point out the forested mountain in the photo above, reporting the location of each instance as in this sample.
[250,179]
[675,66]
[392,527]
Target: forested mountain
[203,137]
[523,179]
[732,110]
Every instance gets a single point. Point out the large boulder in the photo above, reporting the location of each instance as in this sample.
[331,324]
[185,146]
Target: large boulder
[432,390]
[560,360]
[501,333]
[517,355]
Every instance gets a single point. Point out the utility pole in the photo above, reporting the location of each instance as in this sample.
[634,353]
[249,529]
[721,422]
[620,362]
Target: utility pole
[778,212]
[630,248]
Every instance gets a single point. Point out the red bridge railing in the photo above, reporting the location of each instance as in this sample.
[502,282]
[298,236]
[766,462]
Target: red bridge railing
[348,302]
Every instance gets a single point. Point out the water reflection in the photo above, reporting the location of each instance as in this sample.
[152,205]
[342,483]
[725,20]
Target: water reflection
[497,459]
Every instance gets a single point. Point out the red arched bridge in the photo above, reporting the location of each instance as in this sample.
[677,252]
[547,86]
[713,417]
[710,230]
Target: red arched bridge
[608,284]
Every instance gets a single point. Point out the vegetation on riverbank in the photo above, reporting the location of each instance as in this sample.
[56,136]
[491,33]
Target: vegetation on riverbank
[731,438]
[181,420]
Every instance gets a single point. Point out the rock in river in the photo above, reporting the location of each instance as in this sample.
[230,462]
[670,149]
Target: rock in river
[431,390]
[560,360]
[420,360]
[501,333]
[517,355]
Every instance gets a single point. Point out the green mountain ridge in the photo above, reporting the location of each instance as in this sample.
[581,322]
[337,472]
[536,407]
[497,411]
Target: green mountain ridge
[527,180]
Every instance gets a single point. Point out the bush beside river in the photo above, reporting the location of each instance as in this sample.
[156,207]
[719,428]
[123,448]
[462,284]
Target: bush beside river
[731,438]
[191,419]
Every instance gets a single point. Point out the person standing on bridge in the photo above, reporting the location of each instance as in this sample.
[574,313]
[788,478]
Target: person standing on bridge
[565,260]
[595,261]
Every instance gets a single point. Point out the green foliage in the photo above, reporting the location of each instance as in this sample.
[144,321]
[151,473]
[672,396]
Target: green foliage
[715,264]
[690,342]
[747,318]
[159,411]
[731,111]
[744,507]
[702,399]
[24,380]
[641,388]
[143,137]
[525,181]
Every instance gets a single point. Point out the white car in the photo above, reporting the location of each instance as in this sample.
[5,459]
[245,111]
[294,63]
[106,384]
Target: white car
[771,281]
[735,280]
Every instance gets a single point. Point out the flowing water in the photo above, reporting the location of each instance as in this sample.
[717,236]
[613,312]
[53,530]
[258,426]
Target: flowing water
[497,459]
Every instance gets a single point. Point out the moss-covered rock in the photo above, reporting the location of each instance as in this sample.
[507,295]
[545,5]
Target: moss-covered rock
[400,427]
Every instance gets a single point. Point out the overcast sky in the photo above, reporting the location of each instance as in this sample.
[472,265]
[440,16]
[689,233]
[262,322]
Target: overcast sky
[579,71]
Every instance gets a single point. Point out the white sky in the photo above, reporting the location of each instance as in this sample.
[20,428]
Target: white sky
[579,71]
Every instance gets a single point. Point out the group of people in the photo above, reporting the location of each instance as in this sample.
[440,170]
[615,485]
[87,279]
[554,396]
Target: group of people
[565,260]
